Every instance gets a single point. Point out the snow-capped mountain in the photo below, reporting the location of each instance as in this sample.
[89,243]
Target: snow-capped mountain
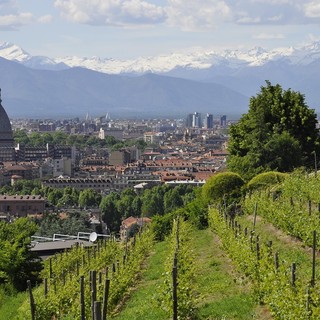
[197,59]
[12,52]
[179,83]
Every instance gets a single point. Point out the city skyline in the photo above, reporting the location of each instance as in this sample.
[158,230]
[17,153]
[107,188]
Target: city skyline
[124,29]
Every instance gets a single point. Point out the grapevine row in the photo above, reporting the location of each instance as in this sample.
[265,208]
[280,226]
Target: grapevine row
[274,282]
[177,294]
[112,263]
[295,217]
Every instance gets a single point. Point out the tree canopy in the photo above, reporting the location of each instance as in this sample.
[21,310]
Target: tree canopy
[17,262]
[278,133]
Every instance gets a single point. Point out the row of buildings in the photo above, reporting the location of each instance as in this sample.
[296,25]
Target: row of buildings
[175,154]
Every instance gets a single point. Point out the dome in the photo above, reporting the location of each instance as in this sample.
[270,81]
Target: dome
[6,137]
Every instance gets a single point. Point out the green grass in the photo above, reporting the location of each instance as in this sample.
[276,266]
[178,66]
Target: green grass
[224,294]
[141,304]
[10,304]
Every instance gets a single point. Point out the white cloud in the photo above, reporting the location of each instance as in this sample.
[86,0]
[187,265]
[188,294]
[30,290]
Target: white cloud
[274,2]
[45,19]
[111,12]
[190,14]
[186,14]
[276,12]
[248,20]
[312,9]
[11,18]
[268,36]
[276,18]
[12,21]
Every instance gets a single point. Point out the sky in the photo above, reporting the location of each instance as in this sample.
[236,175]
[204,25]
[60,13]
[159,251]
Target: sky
[129,29]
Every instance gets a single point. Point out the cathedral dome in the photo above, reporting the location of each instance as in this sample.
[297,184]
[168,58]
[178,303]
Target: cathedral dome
[6,137]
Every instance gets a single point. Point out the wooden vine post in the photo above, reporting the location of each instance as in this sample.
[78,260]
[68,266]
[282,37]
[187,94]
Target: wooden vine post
[313,276]
[82,304]
[255,215]
[97,310]
[293,274]
[105,299]
[175,287]
[45,284]
[32,304]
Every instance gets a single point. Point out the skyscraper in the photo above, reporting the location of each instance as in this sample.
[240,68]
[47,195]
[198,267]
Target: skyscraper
[189,120]
[196,120]
[223,121]
[208,122]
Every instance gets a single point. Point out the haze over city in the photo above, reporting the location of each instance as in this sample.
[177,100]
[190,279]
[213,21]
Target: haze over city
[127,29]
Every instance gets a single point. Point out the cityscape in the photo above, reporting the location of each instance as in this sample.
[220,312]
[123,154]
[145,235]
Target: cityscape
[175,151]
[159,159]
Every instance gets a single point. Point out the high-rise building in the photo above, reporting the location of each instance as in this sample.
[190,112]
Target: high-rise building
[196,120]
[223,121]
[7,152]
[189,120]
[208,121]
[193,120]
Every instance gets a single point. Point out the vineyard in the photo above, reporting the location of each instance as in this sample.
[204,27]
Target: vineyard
[92,282]
[260,262]
[87,283]
[283,273]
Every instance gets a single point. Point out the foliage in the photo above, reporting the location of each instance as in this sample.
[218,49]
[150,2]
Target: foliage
[196,210]
[172,200]
[110,214]
[69,197]
[266,179]
[152,202]
[17,263]
[279,132]
[222,185]
[21,187]
[52,223]
[89,198]
[294,208]
[62,138]
[64,271]
[272,284]
[162,226]
[180,249]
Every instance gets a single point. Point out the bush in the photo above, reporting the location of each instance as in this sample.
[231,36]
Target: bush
[265,180]
[223,185]
[162,225]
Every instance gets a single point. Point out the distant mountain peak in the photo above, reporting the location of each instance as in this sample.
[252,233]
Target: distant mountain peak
[197,59]
[13,52]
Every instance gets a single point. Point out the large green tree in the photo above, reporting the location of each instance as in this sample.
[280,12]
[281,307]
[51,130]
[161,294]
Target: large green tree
[110,214]
[89,198]
[279,132]
[17,263]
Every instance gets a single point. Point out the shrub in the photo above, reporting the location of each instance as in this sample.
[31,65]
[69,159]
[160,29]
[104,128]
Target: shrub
[223,185]
[266,179]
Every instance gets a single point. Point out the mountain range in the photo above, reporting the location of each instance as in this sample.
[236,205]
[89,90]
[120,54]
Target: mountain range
[205,81]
